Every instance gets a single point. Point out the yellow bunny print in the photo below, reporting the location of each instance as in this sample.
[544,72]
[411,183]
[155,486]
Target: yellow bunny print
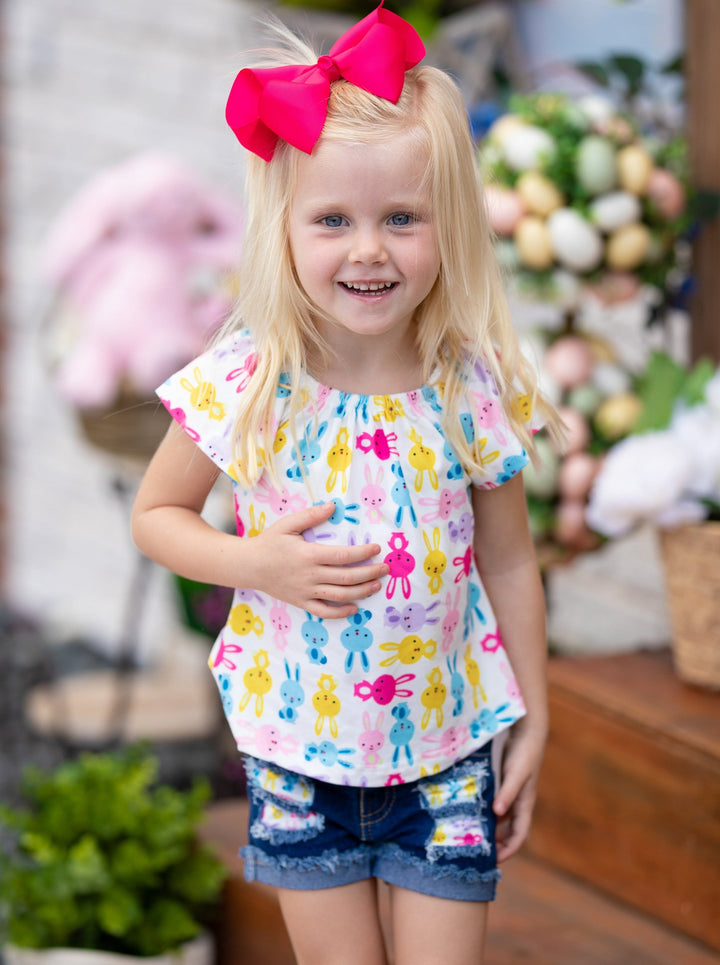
[203,396]
[326,704]
[422,460]
[390,409]
[433,698]
[339,459]
[256,527]
[408,651]
[257,681]
[472,672]
[435,561]
[243,621]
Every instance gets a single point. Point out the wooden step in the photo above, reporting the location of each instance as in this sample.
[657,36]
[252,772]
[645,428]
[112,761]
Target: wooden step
[541,916]
[629,796]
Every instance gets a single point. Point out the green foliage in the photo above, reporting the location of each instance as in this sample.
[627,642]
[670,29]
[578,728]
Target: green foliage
[107,860]
[664,383]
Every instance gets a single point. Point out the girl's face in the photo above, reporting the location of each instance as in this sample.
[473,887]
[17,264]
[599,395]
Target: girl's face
[362,238]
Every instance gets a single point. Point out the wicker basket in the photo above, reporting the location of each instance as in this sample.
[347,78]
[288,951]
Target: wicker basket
[691,557]
[131,427]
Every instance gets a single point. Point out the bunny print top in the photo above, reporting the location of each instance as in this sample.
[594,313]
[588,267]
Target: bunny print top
[418,678]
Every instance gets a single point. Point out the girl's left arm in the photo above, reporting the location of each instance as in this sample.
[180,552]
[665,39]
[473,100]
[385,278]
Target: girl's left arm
[505,557]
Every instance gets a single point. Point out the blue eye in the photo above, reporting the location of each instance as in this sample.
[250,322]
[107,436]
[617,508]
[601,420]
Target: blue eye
[401,220]
[333,221]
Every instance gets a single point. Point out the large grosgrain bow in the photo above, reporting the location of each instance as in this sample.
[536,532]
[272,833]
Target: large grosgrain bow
[290,103]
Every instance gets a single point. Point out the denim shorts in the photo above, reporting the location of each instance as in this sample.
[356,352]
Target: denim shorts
[435,835]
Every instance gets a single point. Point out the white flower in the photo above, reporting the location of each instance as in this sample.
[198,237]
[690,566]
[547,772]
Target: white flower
[699,430]
[642,479]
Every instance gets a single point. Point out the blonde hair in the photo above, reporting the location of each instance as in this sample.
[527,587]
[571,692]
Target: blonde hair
[464,318]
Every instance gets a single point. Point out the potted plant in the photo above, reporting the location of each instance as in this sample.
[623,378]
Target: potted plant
[667,474]
[107,868]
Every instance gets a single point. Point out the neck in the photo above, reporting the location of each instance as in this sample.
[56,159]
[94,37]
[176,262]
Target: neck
[377,365]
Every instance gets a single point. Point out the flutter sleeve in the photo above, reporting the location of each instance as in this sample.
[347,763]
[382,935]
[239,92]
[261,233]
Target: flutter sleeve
[498,448]
[202,397]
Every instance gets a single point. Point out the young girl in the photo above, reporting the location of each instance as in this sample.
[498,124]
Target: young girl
[370,403]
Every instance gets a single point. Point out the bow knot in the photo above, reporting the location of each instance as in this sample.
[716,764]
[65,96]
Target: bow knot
[328,66]
[290,103]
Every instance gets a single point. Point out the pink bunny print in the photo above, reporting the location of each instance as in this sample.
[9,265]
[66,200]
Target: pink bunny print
[490,416]
[372,495]
[372,739]
[452,619]
[442,504]
[401,565]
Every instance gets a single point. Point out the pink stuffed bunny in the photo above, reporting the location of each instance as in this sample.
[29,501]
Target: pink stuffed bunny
[139,262]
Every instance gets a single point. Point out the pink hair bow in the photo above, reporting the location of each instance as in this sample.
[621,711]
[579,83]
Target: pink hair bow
[290,103]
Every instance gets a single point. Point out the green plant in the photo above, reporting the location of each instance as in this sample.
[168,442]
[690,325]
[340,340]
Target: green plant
[104,860]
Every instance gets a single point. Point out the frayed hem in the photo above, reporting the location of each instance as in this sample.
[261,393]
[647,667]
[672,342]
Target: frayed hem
[329,861]
[434,870]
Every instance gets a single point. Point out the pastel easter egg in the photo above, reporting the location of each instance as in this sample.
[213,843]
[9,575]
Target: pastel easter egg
[500,129]
[565,289]
[612,211]
[576,243]
[617,416]
[533,243]
[595,164]
[597,109]
[538,193]
[506,254]
[628,247]
[634,168]
[610,379]
[527,147]
[586,398]
[577,429]
[570,527]
[569,361]
[577,473]
[615,287]
[541,480]
[667,193]
[505,208]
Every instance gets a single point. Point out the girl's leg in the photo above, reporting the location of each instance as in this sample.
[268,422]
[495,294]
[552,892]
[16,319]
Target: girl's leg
[437,931]
[335,926]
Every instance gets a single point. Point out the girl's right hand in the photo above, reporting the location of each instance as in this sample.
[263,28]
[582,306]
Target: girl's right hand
[324,580]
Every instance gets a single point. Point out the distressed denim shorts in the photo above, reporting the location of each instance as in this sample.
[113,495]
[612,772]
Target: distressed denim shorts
[435,835]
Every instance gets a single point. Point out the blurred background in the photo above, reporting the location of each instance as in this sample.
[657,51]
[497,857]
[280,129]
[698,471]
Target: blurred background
[122,217]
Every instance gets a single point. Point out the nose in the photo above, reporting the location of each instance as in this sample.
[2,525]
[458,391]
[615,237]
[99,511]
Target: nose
[367,247]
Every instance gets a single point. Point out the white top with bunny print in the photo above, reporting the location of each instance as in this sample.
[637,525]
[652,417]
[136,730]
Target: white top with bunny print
[418,678]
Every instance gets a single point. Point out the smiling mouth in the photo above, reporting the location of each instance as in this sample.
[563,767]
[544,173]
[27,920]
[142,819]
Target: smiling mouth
[371,289]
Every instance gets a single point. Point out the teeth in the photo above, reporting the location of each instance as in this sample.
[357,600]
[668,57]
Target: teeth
[372,286]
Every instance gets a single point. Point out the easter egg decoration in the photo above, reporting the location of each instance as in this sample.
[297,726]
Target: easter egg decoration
[527,147]
[505,208]
[617,415]
[532,240]
[612,211]
[578,429]
[569,361]
[576,243]
[628,247]
[541,480]
[595,164]
[538,193]
[666,193]
[634,166]
[576,475]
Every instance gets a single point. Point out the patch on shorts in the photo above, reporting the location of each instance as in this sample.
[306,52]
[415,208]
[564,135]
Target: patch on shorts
[284,804]
[457,807]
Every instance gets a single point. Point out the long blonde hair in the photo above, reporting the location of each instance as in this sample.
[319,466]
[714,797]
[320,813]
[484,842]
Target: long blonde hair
[464,318]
